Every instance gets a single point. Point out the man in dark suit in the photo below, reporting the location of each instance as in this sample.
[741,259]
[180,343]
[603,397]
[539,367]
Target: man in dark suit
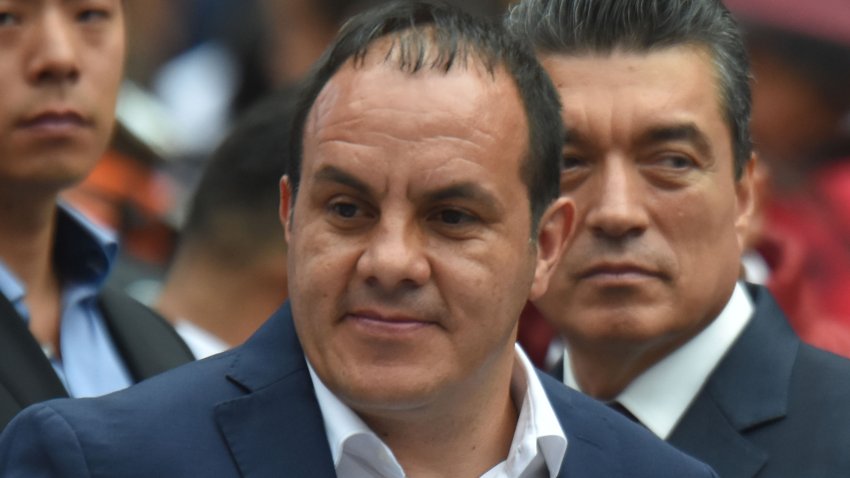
[60,69]
[658,161]
[421,209]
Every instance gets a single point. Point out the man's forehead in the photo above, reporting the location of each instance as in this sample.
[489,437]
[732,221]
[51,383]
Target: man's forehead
[380,82]
[668,72]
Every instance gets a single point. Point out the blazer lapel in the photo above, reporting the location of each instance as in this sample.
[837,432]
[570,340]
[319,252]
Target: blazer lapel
[276,428]
[147,343]
[25,373]
[589,443]
[748,389]
[706,433]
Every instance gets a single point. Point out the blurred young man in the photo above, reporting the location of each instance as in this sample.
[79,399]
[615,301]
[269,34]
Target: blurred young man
[658,160]
[60,67]
[421,209]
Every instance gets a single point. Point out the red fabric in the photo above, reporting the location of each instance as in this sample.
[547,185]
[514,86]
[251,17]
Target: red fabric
[807,245]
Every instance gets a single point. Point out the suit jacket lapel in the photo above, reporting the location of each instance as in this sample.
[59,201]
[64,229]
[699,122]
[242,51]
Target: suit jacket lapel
[588,445]
[25,373]
[748,389]
[277,425]
[147,344]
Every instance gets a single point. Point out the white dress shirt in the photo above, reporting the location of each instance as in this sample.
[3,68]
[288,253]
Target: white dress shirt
[661,395]
[200,341]
[537,450]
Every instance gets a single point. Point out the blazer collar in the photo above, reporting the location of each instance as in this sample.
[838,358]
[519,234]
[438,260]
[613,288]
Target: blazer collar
[749,388]
[590,438]
[277,424]
[749,385]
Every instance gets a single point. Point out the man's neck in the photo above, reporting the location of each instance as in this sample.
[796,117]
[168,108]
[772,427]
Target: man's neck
[603,369]
[464,438]
[243,298]
[603,372]
[26,248]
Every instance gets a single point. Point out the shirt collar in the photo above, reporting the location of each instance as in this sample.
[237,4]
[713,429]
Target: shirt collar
[650,397]
[12,289]
[84,251]
[538,429]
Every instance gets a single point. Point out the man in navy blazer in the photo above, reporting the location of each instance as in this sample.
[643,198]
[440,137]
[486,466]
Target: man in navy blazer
[659,163]
[421,211]
[251,412]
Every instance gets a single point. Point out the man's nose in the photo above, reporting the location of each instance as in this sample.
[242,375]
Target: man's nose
[617,210]
[53,49]
[395,256]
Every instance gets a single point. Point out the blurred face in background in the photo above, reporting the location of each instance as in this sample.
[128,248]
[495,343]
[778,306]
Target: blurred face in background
[61,66]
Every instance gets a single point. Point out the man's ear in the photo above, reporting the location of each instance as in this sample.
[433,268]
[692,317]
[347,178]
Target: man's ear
[748,190]
[286,204]
[554,233]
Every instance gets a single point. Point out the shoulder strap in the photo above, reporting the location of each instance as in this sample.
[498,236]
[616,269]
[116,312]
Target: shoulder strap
[26,376]
[148,344]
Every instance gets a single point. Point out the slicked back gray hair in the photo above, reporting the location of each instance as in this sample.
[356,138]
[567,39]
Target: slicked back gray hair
[586,27]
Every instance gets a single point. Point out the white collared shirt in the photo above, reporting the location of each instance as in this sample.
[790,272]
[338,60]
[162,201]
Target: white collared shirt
[661,395]
[537,450]
[200,341]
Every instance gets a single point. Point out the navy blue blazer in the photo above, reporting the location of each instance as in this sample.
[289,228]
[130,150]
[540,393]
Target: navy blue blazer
[773,408]
[252,412]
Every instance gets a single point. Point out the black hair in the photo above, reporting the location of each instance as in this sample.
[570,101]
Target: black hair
[338,10]
[234,210]
[578,27]
[439,37]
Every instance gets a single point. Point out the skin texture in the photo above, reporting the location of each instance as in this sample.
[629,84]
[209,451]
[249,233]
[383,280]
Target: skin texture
[410,256]
[62,66]
[660,219]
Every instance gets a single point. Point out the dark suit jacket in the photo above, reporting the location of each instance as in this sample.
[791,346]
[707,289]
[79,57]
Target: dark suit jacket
[145,341]
[773,408]
[252,412]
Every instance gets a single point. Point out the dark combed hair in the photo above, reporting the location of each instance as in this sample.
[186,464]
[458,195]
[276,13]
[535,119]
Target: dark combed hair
[437,37]
[338,10]
[234,209]
[587,27]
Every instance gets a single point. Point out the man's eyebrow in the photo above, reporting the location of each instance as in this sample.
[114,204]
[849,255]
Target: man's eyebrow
[689,133]
[334,174]
[465,190]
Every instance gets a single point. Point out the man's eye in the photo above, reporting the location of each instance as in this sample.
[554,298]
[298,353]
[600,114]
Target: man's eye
[676,162]
[8,19]
[454,217]
[92,15]
[344,209]
[569,162]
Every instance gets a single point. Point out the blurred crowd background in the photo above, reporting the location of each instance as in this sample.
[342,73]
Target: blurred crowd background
[195,66]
